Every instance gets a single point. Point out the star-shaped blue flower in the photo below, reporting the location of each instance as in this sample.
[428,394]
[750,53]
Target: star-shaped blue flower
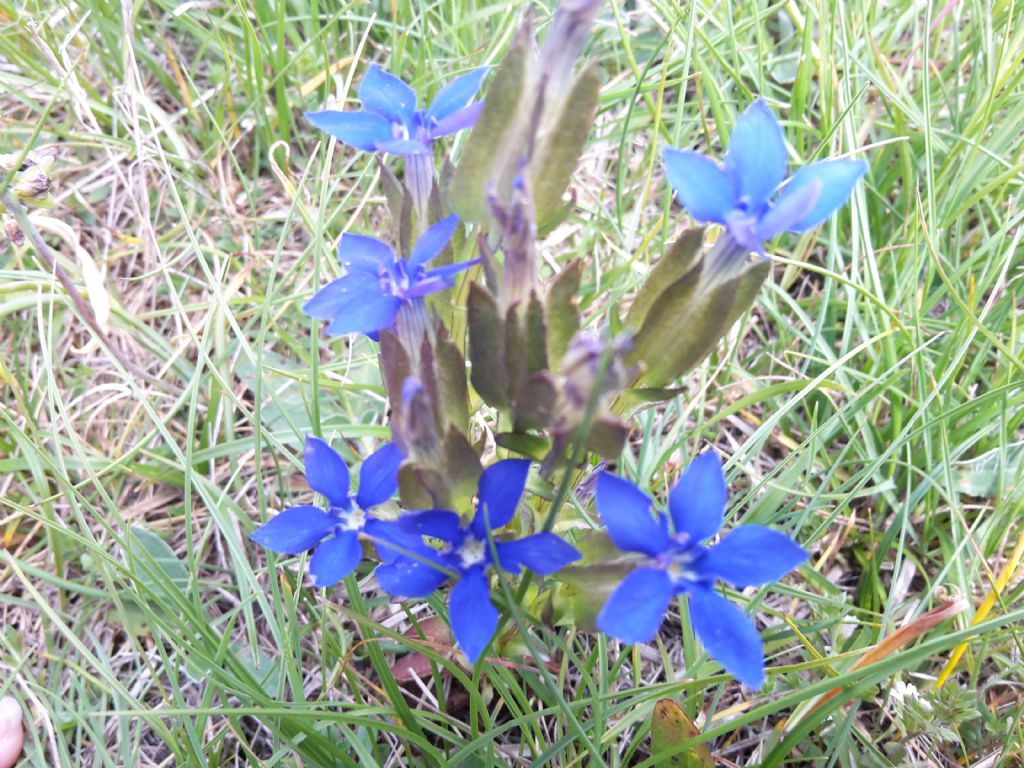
[740,194]
[466,555]
[677,562]
[390,121]
[335,531]
[367,299]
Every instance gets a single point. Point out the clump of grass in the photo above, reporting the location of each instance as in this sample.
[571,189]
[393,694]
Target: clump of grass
[871,403]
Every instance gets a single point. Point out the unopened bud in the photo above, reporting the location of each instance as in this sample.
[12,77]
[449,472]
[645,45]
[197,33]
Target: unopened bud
[13,233]
[581,367]
[31,183]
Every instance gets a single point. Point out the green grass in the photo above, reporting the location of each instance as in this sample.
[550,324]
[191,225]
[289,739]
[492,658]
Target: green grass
[870,405]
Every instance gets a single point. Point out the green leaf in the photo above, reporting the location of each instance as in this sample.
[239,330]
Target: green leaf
[553,165]
[535,402]
[536,336]
[515,349]
[422,487]
[582,592]
[486,346]
[563,316]
[452,389]
[395,367]
[532,446]
[680,258]
[607,436]
[154,563]
[748,285]
[986,476]
[482,150]
[670,727]
[462,464]
[686,322]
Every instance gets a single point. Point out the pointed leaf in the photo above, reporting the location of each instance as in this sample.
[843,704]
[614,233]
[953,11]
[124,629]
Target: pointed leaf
[680,258]
[607,436]
[554,164]
[535,402]
[476,168]
[536,335]
[395,368]
[670,727]
[487,346]
[452,389]
[515,349]
[532,446]
[563,316]
[461,464]
[686,322]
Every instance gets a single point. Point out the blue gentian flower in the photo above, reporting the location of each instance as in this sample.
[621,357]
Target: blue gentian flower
[676,562]
[390,121]
[367,299]
[466,555]
[739,195]
[335,531]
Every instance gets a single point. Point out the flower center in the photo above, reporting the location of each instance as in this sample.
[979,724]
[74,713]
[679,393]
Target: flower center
[396,280]
[355,520]
[399,131]
[677,562]
[472,552]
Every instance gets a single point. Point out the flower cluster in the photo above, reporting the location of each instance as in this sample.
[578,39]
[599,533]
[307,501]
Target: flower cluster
[513,367]
[411,566]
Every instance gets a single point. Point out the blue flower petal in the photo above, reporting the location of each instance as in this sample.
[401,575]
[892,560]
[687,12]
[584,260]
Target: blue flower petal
[637,607]
[728,635]
[378,477]
[368,255]
[338,294]
[294,530]
[388,96]
[335,558]
[837,178]
[472,615]
[432,242]
[756,160]
[359,130]
[701,187]
[375,313]
[457,121]
[326,471]
[448,271]
[402,147]
[391,541]
[750,556]
[626,512]
[409,577]
[498,494]
[438,523]
[542,553]
[698,499]
[456,95]
[792,206]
